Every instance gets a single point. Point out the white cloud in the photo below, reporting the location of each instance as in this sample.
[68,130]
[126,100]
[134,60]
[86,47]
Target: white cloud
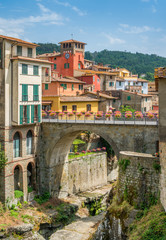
[16,26]
[74,8]
[125,28]
[113,40]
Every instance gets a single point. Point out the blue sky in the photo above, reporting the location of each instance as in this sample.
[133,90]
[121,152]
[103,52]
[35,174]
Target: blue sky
[124,25]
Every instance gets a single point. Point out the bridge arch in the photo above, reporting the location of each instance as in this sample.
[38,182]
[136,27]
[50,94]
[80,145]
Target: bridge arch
[57,139]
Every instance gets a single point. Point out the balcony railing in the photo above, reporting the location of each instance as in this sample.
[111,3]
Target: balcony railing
[25,120]
[24,98]
[101,120]
[46,78]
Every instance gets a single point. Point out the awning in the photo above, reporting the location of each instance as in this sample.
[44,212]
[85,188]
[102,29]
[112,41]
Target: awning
[47,102]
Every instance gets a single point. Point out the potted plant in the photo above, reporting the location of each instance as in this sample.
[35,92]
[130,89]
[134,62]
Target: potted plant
[87,114]
[117,114]
[107,115]
[83,111]
[150,115]
[128,115]
[79,114]
[138,115]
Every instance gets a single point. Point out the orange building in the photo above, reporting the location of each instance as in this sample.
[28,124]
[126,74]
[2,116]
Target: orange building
[69,59]
[59,86]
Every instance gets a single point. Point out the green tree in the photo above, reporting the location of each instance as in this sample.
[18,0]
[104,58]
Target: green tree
[3,158]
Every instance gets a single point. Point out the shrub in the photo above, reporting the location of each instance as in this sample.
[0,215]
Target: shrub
[88,151]
[3,158]
[98,149]
[18,194]
[52,114]
[44,114]
[42,198]
[128,115]
[124,163]
[103,148]
[30,189]
[83,152]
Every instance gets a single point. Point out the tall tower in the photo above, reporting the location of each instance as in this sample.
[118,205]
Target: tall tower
[72,56]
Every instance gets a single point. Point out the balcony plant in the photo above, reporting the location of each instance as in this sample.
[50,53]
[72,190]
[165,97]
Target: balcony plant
[98,149]
[93,150]
[57,112]
[91,112]
[150,115]
[103,148]
[61,114]
[107,115]
[52,114]
[99,114]
[83,111]
[79,114]
[138,115]
[117,114]
[65,112]
[128,115]
[87,114]
[109,112]
[70,114]
[44,114]
[74,111]
[88,151]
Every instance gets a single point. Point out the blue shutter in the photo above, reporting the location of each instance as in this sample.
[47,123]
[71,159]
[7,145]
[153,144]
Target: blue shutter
[21,114]
[32,113]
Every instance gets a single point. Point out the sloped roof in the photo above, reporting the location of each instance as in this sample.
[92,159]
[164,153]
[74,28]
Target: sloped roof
[71,41]
[78,99]
[30,59]
[100,95]
[54,54]
[18,40]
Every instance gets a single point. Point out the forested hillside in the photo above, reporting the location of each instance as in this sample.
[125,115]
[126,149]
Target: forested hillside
[137,63]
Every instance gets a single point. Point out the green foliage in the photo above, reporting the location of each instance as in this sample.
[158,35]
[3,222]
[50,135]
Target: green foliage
[95,206]
[30,189]
[149,76]
[157,167]
[19,204]
[124,109]
[42,198]
[66,213]
[14,213]
[18,194]
[109,150]
[124,163]
[2,209]
[47,48]
[3,158]
[78,141]
[151,225]
[70,156]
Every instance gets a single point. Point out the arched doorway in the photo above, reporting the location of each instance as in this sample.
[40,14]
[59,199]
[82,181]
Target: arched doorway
[18,178]
[31,177]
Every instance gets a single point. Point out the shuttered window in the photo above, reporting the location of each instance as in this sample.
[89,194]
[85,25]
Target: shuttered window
[32,113]
[19,50]
[35,92]
[21,114]
[28,113]
[25,69]
[16,145]
[54,66]
[36,70]
[80,87]
[39,113]
[72,87]
[24,92]
[30,52]
[65,86]
[66,65]
[46,86]
[128,98]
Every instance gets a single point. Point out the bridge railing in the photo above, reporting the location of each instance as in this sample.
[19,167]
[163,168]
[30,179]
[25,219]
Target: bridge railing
[145,120]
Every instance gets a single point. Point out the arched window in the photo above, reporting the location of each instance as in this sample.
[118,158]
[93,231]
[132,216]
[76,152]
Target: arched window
[29,142]
[17,145]
[18,178]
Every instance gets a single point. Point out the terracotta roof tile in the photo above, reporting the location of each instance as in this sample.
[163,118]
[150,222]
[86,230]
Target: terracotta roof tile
[30,59]
[71,41]
[18,40]
[78,99]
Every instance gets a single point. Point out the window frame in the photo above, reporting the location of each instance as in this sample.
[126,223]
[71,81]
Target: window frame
[46,86]
[16,143]
[24,69]
[35,70]
[19,48]
[29,52]
[29,143]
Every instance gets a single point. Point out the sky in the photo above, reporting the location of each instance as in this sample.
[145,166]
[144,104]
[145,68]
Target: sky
[117,25]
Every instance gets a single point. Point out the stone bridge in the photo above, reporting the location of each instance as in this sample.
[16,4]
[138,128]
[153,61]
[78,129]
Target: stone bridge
[56,140]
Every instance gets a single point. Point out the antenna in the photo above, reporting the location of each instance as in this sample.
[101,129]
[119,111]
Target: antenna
[72,36]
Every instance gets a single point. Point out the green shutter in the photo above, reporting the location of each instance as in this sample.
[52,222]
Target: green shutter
[54,66]
[24,92]
[32,113]
[35,70]
[39,113]
[65,86]
[24,69]
[28,113]
[21,114]
[46,86]
[72,87]
[35,93]
[67,65]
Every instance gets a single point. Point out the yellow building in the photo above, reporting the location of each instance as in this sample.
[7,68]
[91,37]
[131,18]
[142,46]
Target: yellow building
[67,103]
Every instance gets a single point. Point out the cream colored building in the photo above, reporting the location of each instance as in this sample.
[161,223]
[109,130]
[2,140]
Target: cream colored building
[21,77]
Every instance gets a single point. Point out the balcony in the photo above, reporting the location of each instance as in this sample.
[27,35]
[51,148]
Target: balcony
[25,120]
[46,78]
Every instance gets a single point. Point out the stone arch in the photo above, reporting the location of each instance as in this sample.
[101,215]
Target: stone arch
[18,177]
[56,159]
[31,175]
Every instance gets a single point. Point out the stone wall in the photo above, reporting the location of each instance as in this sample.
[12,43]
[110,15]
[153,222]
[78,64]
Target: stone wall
[139,175]
[87,172]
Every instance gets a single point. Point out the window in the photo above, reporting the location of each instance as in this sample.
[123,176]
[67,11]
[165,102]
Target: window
[30,52]
[133,83]
[79,66]
[98,80]
[110,77]
[74,107]
[36,70]
[66,65]
[64,45]
[29,142]
[24,92]
[46,86]
[111,84]
[128,98]
[35,113]
[72,87]
[76,45]
[142,84]
[114,100]
[17,145]
[35,92]
[64,108]
[54,66]
[54,58]
[80,87]
[69,45]
[82,46]
[19,50]
[24,114]
[146,99]
[88,107]
[120,83]
[65,86]
[93,78]
[24,69]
